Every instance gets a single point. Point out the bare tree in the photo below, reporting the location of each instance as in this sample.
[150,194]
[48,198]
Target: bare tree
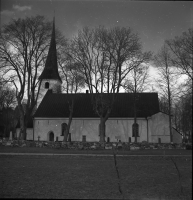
[73,81]
[105,57]
[181,53]
[23,47]
[7,102]
[66,132]
[167,80]
[183,114]
[163,104]
[136,82]
[7,119]
[7,97]
[181,50]
[186,116]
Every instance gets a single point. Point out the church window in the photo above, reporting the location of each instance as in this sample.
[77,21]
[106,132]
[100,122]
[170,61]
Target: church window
[135,129]
[63,128]
[51,136]
[46,85]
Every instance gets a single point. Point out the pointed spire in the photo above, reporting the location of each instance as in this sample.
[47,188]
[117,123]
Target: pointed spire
[51,67]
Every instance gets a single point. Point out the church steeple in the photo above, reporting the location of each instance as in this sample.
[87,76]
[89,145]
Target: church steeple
[50,78]
[51,67]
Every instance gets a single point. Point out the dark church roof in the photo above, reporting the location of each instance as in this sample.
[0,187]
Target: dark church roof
[56,105]
[51,67]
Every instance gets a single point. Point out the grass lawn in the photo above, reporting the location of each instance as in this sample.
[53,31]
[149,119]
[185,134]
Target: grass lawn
[93,177]
[6,149]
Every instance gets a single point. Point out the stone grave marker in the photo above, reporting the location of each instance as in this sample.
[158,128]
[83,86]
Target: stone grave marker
[10,136]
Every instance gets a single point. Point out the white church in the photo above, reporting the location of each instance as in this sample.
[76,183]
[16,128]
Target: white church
[52,113]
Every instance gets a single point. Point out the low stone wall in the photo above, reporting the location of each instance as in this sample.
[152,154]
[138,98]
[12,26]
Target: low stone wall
[92,145]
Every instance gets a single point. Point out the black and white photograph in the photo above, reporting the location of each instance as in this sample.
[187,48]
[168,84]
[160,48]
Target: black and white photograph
[96,99]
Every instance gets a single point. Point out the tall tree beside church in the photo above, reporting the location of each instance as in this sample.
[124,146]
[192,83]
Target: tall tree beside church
[181,50]
[66,133]
[136,82]
[7,102]
[73,81]
[7,97]
[167,80]
[105,57]
[23,47]
[185,117]
[183,110]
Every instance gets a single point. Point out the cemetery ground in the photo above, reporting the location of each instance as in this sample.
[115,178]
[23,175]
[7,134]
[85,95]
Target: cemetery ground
[144,174]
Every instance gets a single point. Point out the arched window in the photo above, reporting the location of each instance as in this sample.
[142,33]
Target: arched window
[46,85]
[63,128]
[135,130]
[51,136]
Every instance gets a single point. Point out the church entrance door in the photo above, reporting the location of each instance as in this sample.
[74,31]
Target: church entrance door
[51,136]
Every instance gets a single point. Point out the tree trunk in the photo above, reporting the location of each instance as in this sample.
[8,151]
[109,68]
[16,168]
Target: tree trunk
[135,118]
[135,129]
[170,106]
[102,130]
[66,132]
[170,127]
[189,137]
[23,128]
[23,121]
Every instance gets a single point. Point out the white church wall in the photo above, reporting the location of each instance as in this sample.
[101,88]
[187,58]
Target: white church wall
[42,127]
[121,129]
[116,129]
[159,128]
[87,127]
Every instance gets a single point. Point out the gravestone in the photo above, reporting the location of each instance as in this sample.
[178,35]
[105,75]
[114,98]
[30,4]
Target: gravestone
[119,145]
[10,135]
[84,138]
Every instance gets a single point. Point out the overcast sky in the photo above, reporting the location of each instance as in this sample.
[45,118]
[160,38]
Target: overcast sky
[155,21]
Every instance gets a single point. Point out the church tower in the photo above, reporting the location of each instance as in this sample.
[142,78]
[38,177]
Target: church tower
[50,78]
